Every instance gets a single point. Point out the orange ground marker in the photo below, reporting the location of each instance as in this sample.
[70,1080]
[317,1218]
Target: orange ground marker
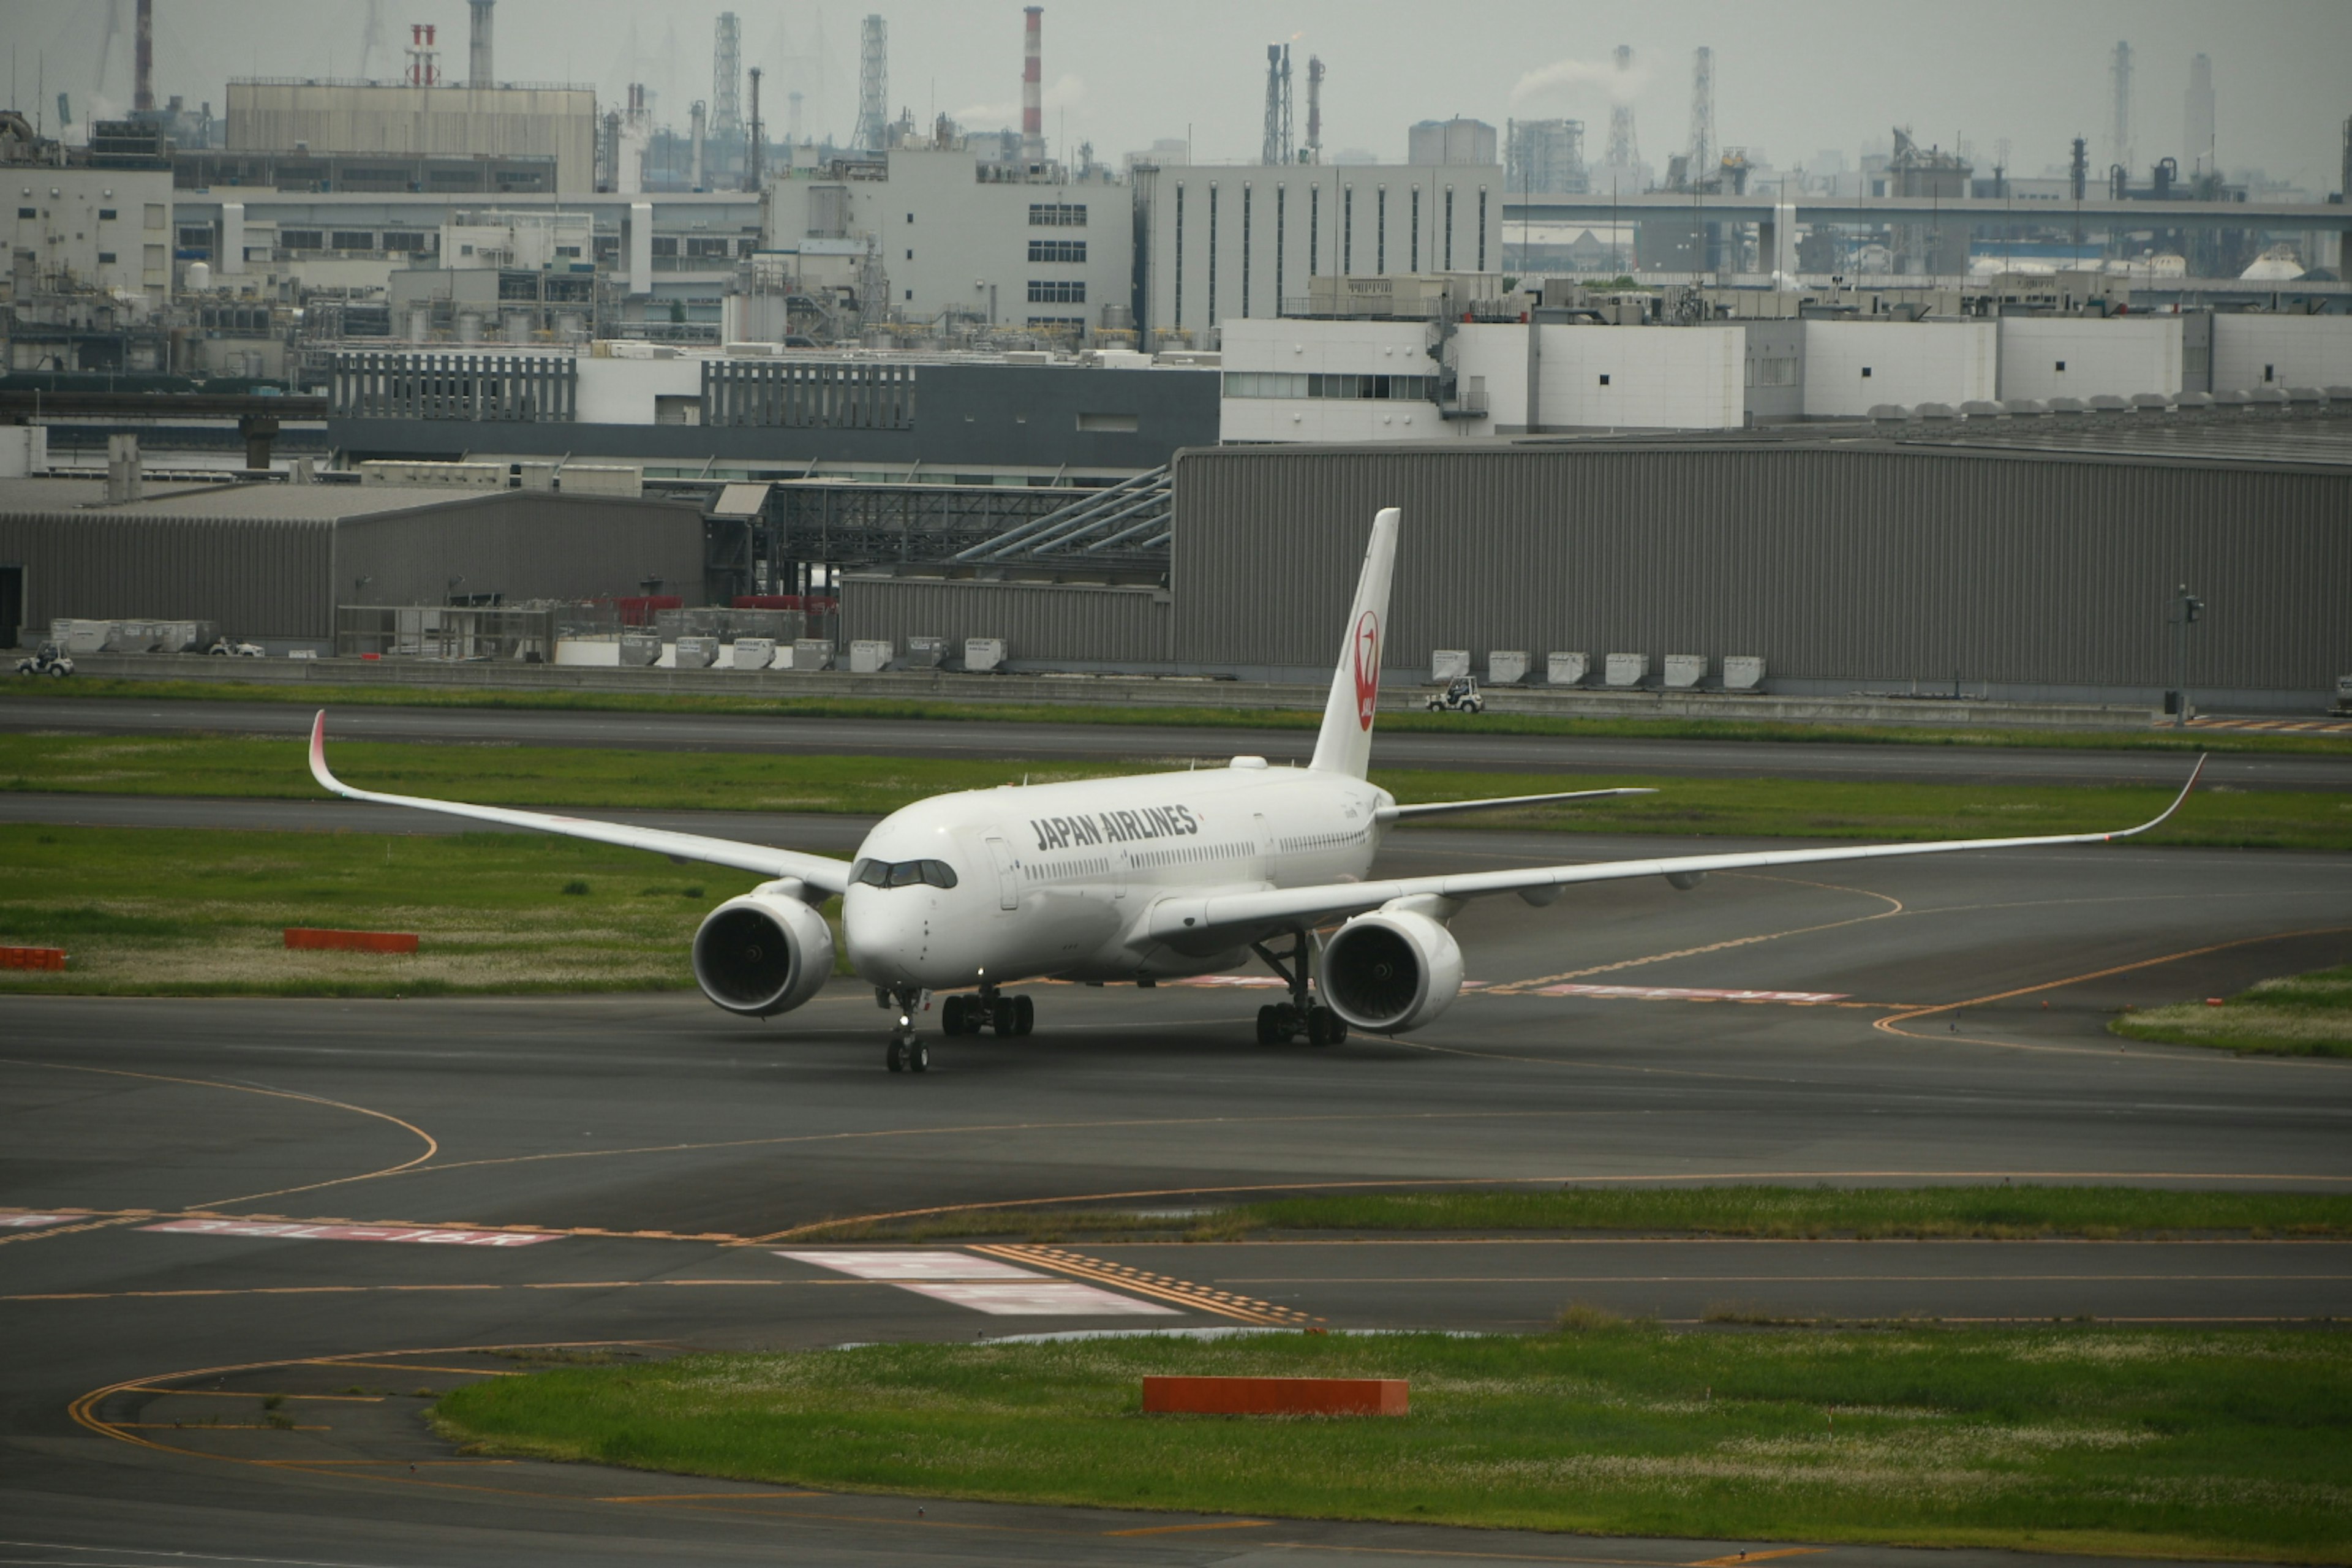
[32,958]
[352,941]
[1274,1396]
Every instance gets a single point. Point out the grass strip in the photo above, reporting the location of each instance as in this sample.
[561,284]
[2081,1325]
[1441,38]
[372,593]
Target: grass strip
[1204,716]
[2298,1016]
[581,777]
[1943,1212]
[183,912]
[2059,1438]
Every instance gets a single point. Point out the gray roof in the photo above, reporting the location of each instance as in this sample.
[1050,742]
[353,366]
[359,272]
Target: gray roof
[293,503]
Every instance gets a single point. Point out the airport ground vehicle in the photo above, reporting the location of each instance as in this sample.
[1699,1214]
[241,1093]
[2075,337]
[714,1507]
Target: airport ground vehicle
[48,659]
[1460,696]
[1139,878]
[227,648]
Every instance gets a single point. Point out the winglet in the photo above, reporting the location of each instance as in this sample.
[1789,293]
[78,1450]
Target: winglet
[2159,819]
[319,756]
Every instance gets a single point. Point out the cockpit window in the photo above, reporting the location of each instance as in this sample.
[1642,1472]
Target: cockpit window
[903,873]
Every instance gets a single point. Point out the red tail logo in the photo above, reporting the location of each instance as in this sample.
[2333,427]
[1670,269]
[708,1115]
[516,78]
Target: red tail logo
[1368,668]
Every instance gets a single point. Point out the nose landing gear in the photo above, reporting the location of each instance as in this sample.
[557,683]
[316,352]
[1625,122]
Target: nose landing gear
[1284,1022]
[905,1052]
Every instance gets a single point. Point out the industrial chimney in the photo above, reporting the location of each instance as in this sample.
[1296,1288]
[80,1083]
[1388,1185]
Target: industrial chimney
[1032,102]
[142,57]
[477,68]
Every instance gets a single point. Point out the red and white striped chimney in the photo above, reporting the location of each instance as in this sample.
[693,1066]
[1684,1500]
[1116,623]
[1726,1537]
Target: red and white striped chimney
[1032,102]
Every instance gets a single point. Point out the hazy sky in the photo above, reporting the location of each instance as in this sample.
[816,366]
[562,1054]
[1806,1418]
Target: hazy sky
[1791,77]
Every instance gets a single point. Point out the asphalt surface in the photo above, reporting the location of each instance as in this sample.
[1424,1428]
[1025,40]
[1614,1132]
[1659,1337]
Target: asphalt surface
[669,1152]
[1468,747]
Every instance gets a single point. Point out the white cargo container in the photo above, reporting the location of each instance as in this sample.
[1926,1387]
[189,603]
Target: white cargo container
[754,653]
[1742,672]
[1448,664]
[870,655]
[1567,669]
[640,652]
[1626,668]
[1505,667]
[811,653]
[1684,670]
[983,655]
[697,653]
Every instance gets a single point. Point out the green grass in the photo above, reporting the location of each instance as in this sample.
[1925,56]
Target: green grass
[2059,1438]
[588,778]
[964,710]
[2300,1015]
[1876,1213]
[146,911]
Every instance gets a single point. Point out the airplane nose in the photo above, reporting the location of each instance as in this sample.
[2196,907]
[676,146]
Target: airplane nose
[884,931]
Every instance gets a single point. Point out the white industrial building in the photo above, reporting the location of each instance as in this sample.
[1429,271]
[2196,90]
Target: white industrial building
[1363,380]
[106,229]
[558,123]
[1233,242]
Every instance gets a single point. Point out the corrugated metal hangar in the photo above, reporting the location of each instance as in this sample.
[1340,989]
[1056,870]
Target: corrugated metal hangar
[1857,562]
[271,561]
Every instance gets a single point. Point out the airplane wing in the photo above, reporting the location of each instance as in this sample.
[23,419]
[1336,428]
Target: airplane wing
[1181,917]
[817,871]
[1448,807]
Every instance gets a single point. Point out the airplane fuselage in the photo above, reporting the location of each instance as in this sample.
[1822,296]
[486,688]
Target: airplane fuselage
[1059,879]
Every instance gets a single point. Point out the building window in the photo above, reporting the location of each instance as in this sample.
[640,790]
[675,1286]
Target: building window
[1053,251]
[1604,378]
[1381,232]
[1415,252]
[664,245]
[1050,214]
[28,212]
[1347,230]
[106,214]
[1482,228]
[1212,257]
[396,239]
[1057,292]
[1059,323]
[1350,388]
[1866,372]
[353,239]
[1249,195]
[1449,228]
[1180,258]
[2061,367]
[2270,373]
[1314,229]
[301,239]
[106,259]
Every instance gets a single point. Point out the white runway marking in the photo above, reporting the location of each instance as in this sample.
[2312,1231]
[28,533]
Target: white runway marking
[354,1232]
[930,1264]
[1046,1298]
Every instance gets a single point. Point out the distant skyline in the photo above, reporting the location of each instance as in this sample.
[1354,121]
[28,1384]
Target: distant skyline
[1791,78]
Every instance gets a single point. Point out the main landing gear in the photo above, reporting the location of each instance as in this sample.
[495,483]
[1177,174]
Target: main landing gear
[1008,1016]
[1284,1022]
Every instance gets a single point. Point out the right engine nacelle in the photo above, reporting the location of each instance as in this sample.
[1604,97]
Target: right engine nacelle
[763,953]
[1390,971]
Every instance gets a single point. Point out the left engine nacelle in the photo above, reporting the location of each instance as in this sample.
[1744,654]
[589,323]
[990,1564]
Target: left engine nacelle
[1390,971]
[763,953]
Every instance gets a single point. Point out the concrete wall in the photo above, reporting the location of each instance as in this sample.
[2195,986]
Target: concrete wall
[2250,351]
[1266,347]
[2088,356]
[1683,378]
[1852,366]
[1041,623]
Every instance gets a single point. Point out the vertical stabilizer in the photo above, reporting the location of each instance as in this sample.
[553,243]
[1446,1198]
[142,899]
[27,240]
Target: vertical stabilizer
[1345,746]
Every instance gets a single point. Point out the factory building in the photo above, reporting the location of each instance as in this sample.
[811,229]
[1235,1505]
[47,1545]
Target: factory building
[91,224]
[1226,243]
[272,563]
[2034,565]
[403,121]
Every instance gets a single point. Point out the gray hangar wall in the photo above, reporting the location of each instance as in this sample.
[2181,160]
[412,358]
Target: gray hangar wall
[1043,624]
[253,576]
[2038,574]
[525,545]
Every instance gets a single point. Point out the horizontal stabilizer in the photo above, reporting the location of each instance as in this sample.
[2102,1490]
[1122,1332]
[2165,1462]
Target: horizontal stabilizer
[1449,807]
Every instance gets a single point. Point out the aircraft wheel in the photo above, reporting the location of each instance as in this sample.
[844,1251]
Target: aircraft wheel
[894,1058]
[951,1017]
[919,1056]
[1002,1017]
[1265,1027]
[1325,1028]
[1025,1015]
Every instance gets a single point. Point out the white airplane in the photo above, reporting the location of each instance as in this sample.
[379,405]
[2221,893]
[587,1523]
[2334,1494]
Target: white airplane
[1139,878]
